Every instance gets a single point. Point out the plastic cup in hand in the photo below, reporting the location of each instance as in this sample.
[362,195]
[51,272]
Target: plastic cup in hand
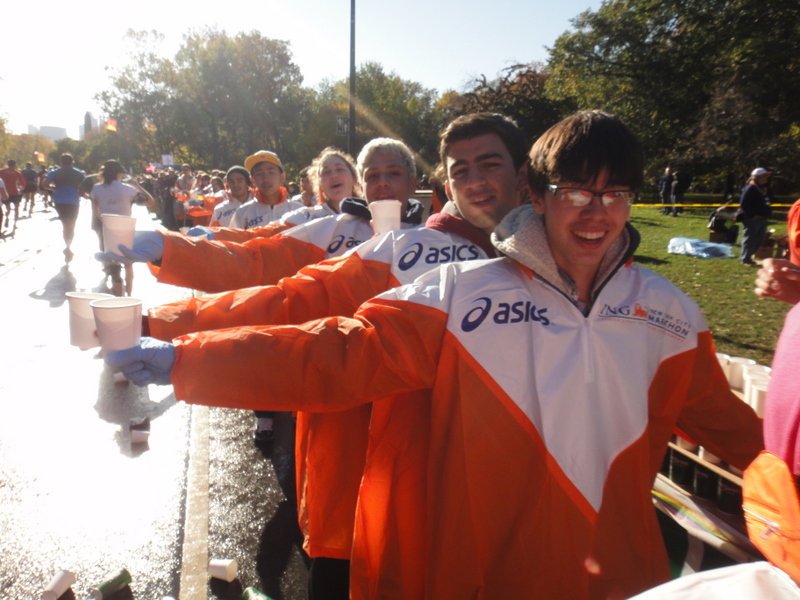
[82,331]
[118,229]
[221,568]
[58,585]
[385,215]
[119,323]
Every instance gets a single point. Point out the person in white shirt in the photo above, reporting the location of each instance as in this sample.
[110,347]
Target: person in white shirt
[112,197]
[238,194]
[272,199]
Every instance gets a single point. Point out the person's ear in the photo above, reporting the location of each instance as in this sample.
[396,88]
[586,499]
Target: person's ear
[538,202]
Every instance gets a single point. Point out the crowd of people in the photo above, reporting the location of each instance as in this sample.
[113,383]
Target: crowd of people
[474,418]
[477,412]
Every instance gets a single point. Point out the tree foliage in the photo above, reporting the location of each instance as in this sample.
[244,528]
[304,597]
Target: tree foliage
[711,83]
[519,92]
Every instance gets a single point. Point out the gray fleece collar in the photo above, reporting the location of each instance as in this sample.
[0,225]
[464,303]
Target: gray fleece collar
[521,235]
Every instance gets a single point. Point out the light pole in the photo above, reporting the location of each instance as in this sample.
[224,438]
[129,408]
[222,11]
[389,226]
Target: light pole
[351,131]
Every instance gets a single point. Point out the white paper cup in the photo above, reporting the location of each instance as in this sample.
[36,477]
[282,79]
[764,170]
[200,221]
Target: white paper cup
[385,215]
[58,585]
[82,331]
[736,367]
[118,229]
[119,323]
[724,361]
[758,398]
[750,379]
[222,568]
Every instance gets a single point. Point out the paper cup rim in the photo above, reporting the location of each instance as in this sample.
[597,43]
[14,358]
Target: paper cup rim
[113,216]
[115,302]
[89,295]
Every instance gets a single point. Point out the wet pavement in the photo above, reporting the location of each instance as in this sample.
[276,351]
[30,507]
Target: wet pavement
[76,494]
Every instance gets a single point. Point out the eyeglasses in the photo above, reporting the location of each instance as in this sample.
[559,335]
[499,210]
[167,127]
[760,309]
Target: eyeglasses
[580,198]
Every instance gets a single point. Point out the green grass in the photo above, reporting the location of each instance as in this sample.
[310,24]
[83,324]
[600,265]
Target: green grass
[742,323]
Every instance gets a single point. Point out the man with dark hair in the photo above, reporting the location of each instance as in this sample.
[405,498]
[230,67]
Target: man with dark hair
[550,379]
[64,182]
[15,183]
[31,187]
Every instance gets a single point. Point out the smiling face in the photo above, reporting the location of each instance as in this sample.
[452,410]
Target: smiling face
[237,184]
[482,181]
[386,177]
[336,180]
[579,237]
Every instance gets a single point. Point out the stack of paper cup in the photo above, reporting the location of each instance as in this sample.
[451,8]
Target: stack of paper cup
[736,368]
[119,323]
[752,375]
[82,330]
[58,585]
[118,229]
[385,215]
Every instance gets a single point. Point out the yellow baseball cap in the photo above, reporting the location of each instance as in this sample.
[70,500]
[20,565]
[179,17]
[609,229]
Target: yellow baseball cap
[262,156]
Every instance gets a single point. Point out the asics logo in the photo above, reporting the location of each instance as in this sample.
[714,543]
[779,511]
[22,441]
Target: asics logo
[506,313]
[339,240]
[437,255]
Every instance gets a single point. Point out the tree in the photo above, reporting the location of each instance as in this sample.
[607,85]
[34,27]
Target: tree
[670,68]
[218,101]
[520,93]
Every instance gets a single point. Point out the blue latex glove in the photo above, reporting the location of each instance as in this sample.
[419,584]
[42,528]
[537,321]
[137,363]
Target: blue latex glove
[149,362]
[147,247]
[201,231]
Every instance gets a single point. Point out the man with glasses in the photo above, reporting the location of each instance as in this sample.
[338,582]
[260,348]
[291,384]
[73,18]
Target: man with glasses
[554,378]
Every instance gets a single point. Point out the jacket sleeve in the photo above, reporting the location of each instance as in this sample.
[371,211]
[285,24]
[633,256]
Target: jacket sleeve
[335,287]
[214,266]
[389,347]
[714,416]
[227,234]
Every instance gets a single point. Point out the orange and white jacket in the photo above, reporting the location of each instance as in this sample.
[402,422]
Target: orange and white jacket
[793,227]
[330,447]
[214,266]
[545,428]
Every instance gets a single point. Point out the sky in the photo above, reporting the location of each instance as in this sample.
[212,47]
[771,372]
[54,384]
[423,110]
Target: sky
[50,78]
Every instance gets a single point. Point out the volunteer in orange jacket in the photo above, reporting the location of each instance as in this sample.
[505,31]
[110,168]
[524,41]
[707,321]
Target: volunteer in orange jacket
[556,376]
[326,487]
[214,266]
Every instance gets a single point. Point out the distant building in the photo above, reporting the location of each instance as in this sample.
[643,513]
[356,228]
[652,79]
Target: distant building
[53,133]
[89,124]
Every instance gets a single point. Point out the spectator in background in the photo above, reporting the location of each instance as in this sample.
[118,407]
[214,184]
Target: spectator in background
[15,184]
[665,189]
[293,189]
[65,181]
[680,185]
[306,195]
[755,209]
